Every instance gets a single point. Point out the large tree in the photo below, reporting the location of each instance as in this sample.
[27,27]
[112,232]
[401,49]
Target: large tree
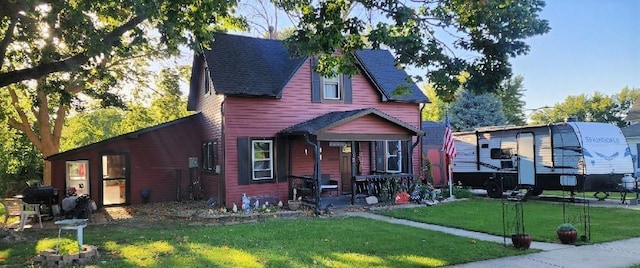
[470,111]
[52,52]
[445,37]
[511,93]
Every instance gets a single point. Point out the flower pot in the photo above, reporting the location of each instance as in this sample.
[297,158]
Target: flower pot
[567,237]
[521,241]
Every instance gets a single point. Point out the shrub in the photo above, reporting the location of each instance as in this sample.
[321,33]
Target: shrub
[566,227]
[458,193]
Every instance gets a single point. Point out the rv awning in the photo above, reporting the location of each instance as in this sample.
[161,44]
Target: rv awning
[355,125]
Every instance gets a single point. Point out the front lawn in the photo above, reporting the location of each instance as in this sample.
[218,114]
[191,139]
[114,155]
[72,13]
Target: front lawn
[540,218]
[303,242]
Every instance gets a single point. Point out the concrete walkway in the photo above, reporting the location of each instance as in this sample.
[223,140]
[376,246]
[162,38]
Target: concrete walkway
[623,253]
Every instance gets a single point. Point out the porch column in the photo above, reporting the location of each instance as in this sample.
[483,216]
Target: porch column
[354,170]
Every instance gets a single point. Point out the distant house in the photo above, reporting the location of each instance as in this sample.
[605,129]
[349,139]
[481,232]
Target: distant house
[266,124]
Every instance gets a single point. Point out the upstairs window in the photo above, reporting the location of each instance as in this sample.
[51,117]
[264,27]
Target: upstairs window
[332,88]
[207,80]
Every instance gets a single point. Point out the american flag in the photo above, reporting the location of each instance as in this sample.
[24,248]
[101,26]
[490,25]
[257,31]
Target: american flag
[448,146]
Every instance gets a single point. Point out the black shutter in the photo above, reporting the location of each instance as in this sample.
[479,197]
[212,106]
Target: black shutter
[281,159]
[405,156]
[347,89]
[315,82]
[244,159]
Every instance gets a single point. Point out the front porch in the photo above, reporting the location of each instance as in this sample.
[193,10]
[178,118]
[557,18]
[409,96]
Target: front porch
[359,153]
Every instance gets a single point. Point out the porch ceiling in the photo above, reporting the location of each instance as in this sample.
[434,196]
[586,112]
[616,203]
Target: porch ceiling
[321,126]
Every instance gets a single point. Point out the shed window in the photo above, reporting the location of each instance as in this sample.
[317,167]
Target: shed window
[209,155]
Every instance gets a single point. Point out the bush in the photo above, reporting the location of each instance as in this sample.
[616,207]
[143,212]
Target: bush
[566,227]
[458,193]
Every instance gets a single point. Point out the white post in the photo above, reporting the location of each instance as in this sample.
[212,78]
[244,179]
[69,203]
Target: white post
[449,170]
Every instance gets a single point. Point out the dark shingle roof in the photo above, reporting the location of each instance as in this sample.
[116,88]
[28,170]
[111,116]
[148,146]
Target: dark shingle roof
[248,66]
[328,120]
[133,134]
[631,131]
[379,65]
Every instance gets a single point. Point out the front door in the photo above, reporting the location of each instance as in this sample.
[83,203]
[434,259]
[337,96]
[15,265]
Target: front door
[115,179]
[526,159]
[345,168]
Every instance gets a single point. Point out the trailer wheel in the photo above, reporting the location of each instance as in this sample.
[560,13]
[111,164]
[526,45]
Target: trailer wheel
[494,190]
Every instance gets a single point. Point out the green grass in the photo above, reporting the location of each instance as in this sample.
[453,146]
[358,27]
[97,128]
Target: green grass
[304,242]
[540,218]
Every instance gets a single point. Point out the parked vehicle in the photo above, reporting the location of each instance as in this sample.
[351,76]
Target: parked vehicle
[576,156]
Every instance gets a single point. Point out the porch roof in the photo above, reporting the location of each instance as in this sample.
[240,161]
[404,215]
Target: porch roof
[319,125]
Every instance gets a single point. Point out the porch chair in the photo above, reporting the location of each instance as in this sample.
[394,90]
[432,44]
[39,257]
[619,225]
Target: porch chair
[29,211]
[327,184]
[12,207]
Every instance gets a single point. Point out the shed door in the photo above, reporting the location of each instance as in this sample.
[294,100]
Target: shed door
[526,159]
[115,179]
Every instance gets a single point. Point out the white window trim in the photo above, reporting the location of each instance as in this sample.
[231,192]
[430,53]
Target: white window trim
[337,80]
[388,155]
[253,160]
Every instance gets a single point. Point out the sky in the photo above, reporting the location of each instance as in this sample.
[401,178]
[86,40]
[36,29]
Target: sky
[593,45]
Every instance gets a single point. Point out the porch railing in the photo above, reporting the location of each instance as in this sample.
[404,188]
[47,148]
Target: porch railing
[384,186]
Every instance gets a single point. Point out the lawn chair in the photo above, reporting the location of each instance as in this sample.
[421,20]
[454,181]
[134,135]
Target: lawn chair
[12,207]
[29,211]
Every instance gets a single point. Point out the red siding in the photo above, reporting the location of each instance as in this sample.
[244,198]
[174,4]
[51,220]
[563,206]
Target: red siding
[154,158]
[370,124]
[260,117]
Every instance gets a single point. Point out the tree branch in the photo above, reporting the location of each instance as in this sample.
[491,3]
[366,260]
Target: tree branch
[70,63]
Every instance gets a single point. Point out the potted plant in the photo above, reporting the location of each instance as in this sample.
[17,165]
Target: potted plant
[567,233]
[521,241]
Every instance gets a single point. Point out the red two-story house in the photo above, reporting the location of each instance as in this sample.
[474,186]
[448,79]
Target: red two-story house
[265,125]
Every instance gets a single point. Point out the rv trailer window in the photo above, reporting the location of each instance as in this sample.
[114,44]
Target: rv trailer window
[497,153]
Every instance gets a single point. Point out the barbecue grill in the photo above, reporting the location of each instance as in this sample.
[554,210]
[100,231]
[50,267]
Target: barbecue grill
[46,196]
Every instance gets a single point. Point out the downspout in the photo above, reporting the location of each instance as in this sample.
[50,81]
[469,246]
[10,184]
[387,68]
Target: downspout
[415,144]
[223,188]
[316,173]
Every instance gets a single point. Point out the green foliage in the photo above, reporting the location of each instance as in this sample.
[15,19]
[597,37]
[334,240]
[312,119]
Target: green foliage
[434,111]
[458,192]
[566,227]
[470,111]
[167,103]
[590,108]
[67,246]
[493,30]
[511,93]
[78,36]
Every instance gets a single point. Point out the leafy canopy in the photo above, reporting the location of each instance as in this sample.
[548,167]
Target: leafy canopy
[437,35]
[46,37]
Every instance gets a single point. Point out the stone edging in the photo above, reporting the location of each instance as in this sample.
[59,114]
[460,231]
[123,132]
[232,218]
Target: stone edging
[50,258]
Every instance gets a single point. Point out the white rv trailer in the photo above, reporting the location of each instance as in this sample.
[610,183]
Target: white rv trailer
[576,156]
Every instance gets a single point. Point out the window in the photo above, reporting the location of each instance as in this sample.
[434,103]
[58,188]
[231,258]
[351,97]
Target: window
[209,155]
[389,156]
[207,80]
[331,88]
[262,159]
[497,153]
